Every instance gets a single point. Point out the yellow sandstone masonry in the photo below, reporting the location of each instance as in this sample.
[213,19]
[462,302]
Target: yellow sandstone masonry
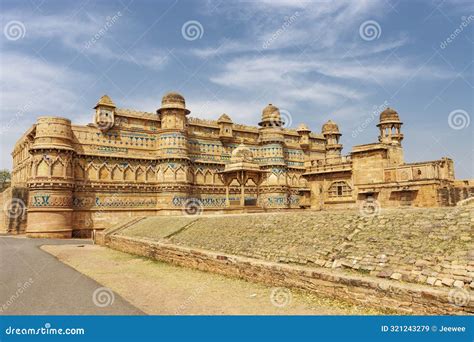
[77,179]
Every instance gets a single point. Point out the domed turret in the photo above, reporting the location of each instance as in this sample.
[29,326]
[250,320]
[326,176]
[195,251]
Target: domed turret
[271,117]
[173,100]
[389,114]
[390,127]
[330,127]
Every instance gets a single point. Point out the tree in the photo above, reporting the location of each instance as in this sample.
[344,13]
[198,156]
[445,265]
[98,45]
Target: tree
[5,177]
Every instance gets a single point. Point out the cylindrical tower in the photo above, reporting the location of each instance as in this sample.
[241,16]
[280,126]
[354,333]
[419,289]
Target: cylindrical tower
[52,180]
[390,127]
[390,134]
[330,130]
[174,177]
[274,190]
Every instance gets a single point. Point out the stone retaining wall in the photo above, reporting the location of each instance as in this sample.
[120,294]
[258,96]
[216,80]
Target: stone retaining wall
[355,288]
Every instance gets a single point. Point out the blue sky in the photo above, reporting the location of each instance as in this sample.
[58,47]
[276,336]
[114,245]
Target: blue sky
[316,60]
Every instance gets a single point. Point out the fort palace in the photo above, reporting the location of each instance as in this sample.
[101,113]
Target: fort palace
[70,180]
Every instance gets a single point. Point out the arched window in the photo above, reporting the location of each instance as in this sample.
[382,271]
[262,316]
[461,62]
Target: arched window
[339,189]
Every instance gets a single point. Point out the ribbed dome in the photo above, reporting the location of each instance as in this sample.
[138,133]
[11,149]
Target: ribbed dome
[330,127]
[271,115]
[173,100]
[389,114]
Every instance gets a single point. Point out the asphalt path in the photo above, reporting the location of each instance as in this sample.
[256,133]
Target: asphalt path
[33,282]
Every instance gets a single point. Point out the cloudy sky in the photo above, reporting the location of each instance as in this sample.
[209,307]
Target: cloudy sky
[316,60]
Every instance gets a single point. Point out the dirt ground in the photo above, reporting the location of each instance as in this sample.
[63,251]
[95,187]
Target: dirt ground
[161,289]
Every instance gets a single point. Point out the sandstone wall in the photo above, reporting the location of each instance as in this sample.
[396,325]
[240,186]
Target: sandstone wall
[425,246]
[357,289]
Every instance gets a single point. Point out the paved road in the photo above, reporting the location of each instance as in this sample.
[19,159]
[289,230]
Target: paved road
[33,282]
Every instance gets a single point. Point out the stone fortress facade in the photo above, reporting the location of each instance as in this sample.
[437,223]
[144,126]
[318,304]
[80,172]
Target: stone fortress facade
[75,179]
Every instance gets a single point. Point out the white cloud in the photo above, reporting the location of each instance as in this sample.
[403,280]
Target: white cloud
[91,35]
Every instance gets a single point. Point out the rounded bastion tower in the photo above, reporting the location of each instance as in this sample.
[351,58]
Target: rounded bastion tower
[275,190]
[172,154]
[51,180]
